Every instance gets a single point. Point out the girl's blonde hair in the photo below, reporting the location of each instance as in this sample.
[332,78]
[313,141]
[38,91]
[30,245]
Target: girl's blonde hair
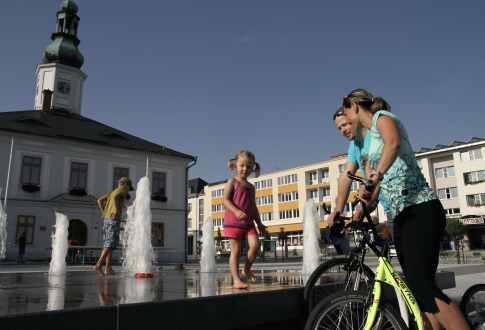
[256,169]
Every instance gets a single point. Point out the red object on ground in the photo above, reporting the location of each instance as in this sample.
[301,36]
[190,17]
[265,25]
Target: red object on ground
[143,275]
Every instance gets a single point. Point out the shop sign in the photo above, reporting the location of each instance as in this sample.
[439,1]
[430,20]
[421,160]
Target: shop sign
[473,221]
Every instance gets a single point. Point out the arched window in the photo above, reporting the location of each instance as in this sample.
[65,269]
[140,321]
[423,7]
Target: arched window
[78,232]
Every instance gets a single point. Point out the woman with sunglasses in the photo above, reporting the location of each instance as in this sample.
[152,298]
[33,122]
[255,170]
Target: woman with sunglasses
[419,218]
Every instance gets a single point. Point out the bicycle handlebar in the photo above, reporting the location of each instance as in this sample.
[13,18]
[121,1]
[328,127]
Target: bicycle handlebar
[360,224]
[369,186]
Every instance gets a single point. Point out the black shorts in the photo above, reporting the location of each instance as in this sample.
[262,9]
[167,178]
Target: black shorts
[418,231]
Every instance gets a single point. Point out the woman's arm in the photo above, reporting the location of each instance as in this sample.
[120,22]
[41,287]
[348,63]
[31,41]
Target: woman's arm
[344,183]
[390,135]
[102,202]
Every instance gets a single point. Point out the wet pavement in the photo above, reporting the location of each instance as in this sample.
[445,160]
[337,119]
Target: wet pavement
[29,292]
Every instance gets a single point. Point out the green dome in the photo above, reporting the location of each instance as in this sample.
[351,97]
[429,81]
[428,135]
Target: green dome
[69,6]
[63,50]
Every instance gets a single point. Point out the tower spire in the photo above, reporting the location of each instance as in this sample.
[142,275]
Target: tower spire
[63,47]
[59,77]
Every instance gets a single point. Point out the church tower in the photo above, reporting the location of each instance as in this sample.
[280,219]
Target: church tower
[59,83]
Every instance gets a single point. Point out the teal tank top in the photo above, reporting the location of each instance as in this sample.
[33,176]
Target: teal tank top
[403,184]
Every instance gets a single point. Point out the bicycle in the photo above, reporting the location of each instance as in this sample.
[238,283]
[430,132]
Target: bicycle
[473,306]
[364,310]
[348,272]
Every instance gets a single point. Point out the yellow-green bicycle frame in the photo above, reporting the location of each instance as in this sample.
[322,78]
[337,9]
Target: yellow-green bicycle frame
[385,274]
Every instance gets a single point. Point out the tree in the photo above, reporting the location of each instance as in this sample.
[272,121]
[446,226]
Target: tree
[456,230]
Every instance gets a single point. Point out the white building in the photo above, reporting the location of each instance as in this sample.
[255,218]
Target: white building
[64,161]
[457,173]
[195,216]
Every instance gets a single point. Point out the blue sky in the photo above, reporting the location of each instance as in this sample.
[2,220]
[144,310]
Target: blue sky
[211,77]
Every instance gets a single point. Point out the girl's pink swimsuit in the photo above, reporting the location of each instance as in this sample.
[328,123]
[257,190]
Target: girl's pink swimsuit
[243,198]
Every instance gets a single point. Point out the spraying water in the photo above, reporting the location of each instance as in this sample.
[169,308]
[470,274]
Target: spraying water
[137,291]
[311,233]
[208,284]
[208,254]
[137,243]
[56,292]
[3,231]
[59,245]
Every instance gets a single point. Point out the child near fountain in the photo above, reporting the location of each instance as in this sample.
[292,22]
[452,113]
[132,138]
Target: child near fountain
[111,206]
[240,214]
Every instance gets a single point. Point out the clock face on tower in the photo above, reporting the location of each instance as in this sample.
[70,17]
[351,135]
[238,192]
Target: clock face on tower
[64,87]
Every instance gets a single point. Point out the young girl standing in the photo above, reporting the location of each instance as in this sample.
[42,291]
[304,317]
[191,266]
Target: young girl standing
[240,214]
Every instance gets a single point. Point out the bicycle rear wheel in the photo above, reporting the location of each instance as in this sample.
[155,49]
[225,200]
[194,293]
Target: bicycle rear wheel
[473,306]
[347,310]
[345,273]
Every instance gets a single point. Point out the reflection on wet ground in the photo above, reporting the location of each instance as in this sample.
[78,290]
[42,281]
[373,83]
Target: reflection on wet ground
[36,292]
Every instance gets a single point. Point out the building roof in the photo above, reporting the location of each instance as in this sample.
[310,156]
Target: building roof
[452,144]
[196,186]
[61,124]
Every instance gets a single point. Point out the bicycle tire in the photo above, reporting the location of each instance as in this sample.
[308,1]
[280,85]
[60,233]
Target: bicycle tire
[473,306]
[312,295]
[347,310]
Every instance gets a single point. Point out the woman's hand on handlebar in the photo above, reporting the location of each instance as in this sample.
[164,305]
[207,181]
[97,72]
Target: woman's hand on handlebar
[331,218]
[363,193]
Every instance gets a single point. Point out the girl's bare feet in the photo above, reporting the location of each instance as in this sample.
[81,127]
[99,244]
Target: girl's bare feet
[239,285]
[98,270]
[109,271]
[249,276]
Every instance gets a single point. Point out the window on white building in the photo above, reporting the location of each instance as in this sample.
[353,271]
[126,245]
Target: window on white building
[325,191]
[79,176]
[31,168]
[288,196]
[453,211]
[217,193]
[263,184]
[474,177]
[342,167]
[264,200]
[26,225]
[289,214]
[158,234]
[475,199]
[313,194]
[159,184]
[312,177]
[217,207]
[445,172]
[287,179]
[324,174]
[471,154]
[447,193]
[266,216]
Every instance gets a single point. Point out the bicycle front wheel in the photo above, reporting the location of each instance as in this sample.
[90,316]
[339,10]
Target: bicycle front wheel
[347,311]
[473,306]
[345,273]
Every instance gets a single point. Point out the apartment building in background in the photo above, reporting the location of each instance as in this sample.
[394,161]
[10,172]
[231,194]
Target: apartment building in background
[456,172]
